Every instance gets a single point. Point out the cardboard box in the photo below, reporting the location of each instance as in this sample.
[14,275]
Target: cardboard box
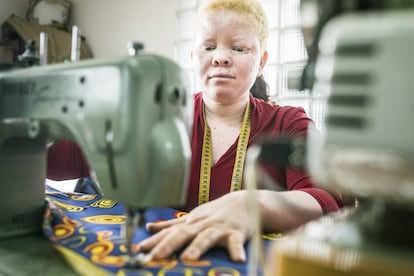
[6,54]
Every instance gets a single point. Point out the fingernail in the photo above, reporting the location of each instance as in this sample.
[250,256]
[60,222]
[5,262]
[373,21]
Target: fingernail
[242,257]
[191,254]
[141,259]
[142,244]
[148,226]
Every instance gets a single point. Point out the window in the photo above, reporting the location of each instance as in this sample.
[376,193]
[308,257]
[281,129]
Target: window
[287,52]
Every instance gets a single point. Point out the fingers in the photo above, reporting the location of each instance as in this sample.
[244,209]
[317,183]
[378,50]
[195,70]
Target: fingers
[202,242]
[152,241]
[165,242]
[212,236]
[153,227]
[201,229]
[235,247]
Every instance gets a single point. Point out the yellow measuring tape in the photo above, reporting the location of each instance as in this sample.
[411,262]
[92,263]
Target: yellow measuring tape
[206,156]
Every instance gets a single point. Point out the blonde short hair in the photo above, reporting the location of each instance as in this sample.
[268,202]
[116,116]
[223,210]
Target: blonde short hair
[251,8]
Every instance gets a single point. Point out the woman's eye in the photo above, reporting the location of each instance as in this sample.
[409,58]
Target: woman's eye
[209,48]
[238,49]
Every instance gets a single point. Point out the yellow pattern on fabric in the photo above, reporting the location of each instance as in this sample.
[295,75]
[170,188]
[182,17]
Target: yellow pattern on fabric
[223,271]
[68,207]
[104,203]
[105,219]
[84,197]
[80,264]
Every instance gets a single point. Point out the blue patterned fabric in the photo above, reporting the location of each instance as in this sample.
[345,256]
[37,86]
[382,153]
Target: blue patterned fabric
[88,227]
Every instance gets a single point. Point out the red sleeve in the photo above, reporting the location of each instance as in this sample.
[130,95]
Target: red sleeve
[298,125]
[300,181]
[65,160]
[329,202]
[293,122]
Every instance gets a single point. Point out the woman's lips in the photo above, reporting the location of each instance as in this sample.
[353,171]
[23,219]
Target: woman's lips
[221,75]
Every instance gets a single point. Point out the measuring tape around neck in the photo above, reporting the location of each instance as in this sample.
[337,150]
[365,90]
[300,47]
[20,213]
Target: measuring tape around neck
[206,157]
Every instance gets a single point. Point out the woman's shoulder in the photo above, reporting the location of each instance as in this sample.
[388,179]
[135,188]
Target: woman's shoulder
[271,108]
[267,117]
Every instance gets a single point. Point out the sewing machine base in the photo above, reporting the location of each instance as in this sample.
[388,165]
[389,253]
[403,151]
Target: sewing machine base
[22,195]
[338,245]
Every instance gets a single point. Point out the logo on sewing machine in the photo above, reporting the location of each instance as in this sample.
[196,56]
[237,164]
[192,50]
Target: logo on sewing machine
[17,88]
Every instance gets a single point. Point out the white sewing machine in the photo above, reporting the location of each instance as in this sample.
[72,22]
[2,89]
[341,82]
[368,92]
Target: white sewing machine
[364,64]
[131,117]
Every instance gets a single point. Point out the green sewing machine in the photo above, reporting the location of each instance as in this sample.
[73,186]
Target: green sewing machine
[131,116]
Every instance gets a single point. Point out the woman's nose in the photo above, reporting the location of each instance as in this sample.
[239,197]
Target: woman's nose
[221,57]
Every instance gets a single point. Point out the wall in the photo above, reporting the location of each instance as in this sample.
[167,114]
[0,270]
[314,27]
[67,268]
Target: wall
[109,24]
[9,7]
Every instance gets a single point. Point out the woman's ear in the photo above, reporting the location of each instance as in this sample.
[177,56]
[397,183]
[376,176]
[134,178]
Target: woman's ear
[263,61]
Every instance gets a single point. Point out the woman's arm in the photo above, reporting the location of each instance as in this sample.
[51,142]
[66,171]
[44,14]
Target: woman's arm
[226,222]
[284,211]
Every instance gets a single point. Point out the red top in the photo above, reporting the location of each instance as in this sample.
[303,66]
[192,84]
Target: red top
[265,119]
[65,160]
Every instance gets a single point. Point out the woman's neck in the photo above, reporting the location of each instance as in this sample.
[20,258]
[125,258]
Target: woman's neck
[228,112]
[234,116]
[225,123]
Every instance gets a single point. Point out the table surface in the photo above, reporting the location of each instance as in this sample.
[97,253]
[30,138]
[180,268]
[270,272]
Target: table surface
[31,255]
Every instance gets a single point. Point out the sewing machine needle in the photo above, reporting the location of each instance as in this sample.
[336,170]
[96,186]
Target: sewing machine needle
[134,219]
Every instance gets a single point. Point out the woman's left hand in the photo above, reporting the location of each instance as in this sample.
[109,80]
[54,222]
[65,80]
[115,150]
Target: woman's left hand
[223,222]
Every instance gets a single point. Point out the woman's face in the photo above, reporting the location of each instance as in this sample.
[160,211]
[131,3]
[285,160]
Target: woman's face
[226,55]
